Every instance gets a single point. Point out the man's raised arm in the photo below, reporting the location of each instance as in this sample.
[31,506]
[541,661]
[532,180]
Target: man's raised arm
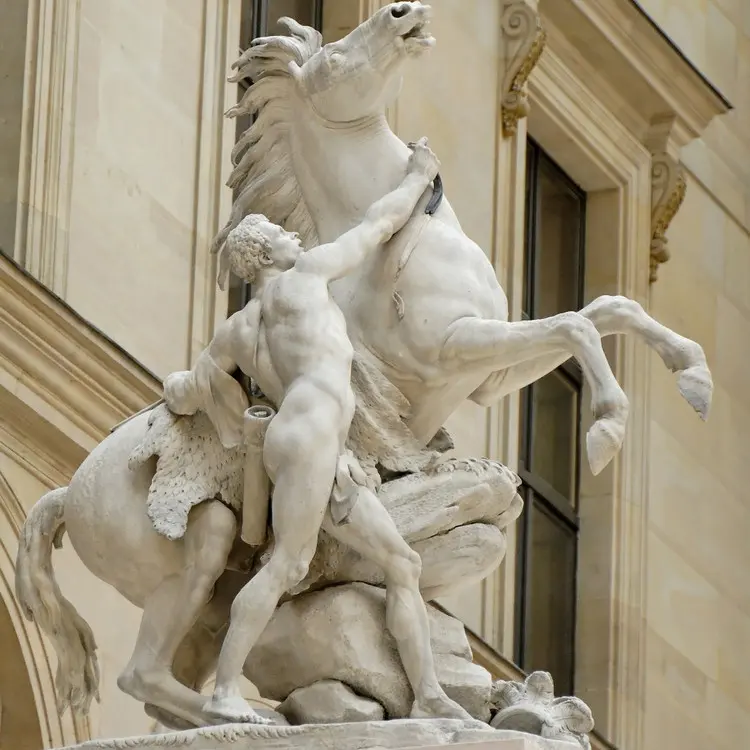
[383,219]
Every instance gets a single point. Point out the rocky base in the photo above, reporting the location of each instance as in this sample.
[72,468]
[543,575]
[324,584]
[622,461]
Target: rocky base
[340,636]
[384,735]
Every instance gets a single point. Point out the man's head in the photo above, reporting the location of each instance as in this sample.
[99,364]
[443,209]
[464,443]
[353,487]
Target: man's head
[257,243]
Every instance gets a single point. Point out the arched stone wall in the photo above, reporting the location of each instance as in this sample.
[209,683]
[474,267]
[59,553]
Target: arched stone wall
[30,717]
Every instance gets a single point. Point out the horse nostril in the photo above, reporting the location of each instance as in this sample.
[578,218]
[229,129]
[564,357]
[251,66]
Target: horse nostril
[399,11]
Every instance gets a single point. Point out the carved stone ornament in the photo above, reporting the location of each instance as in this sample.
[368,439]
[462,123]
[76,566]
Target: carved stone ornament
[668,187]
[525,37]
[530,706]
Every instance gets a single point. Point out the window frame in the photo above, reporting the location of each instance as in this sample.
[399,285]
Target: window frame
[535,489]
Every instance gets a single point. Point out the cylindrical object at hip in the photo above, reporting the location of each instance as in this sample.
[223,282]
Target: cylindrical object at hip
[256,484]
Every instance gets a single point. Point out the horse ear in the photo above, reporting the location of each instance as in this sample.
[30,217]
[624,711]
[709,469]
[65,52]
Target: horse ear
[295,71]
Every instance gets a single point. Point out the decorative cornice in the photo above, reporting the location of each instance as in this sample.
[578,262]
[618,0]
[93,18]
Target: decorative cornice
[525,39]
[632,66]
[63,384]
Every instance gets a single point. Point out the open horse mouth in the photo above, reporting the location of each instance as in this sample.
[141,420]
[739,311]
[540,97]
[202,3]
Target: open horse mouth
[416,17]
[417,32]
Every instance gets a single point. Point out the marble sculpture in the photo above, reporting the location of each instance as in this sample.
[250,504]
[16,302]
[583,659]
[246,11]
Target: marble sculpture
[295,532]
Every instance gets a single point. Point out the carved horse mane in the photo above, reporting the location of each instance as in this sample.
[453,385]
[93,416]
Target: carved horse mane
[263,177]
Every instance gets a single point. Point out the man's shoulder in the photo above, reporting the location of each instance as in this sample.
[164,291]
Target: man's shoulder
[248,316]
[311,262]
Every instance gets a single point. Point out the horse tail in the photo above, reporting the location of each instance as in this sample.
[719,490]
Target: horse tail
[77,679]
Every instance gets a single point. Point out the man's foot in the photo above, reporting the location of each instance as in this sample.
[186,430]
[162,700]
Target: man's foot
[233,709]
[439,707]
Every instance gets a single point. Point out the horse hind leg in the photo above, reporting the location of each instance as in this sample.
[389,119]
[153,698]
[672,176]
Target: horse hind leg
[476,343]
[171,612]
[616,314]
[198,654]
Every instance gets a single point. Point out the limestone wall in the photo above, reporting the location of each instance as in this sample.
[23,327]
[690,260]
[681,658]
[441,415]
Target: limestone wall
[123,165]
[144,158]
[698,688]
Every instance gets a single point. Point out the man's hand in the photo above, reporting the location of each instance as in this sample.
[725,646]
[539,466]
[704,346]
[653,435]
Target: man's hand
[349,473]
[422,160]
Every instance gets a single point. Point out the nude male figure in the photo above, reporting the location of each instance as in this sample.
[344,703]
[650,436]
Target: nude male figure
[292,339]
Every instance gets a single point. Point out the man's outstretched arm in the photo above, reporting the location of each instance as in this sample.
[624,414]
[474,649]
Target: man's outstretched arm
[383,219]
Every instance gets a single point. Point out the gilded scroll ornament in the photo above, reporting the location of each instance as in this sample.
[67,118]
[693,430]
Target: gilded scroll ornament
[668,186]
[522,28]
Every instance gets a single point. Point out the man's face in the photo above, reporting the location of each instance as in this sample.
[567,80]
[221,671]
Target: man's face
[285,246]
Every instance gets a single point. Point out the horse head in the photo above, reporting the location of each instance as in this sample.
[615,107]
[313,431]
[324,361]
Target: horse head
[296,83]
[359,75]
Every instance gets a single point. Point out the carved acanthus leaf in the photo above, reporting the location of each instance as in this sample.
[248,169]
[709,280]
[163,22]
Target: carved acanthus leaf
[668,187]
[525,39]
[530,706]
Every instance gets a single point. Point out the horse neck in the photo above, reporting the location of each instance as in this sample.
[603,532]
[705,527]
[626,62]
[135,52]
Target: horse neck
[343,170]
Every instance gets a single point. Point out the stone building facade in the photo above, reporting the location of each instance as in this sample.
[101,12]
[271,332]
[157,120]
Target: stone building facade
[626,142]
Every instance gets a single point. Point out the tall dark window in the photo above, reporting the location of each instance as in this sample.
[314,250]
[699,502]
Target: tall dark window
[550,430]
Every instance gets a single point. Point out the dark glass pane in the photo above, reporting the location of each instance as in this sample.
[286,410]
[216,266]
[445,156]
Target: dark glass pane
[550,610]
[557,246]
[528,245]
[301,11]
[554,433]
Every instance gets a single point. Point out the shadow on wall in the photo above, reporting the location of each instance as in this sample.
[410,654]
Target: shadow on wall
[19,723]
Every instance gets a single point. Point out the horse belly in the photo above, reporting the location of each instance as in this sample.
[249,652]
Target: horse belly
[107,523]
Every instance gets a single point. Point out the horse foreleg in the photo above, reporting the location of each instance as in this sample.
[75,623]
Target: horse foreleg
[612,315]
[492,344]
[173,609]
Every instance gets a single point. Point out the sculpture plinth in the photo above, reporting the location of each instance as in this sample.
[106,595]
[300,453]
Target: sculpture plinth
[381,735]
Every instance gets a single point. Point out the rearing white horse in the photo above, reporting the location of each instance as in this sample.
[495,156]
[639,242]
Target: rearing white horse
[428,310]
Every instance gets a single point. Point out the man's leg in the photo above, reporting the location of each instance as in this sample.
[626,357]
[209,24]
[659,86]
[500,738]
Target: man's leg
[370,530]
[300,497]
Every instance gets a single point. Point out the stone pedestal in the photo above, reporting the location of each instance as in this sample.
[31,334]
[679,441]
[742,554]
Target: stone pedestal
[425,734]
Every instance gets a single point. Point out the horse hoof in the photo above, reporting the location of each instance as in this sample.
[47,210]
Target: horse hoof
[168,719]
[696,387]
[603,441]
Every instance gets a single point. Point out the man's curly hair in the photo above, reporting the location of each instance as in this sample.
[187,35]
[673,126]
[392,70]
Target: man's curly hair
[247,248]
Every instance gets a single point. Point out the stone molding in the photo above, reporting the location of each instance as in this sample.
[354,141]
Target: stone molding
[427,734]
[524,38]
[668,188]
[592,143]
[638,74]
[632,66]
[40,662]
[47,138]
[63,384]
[216,137]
